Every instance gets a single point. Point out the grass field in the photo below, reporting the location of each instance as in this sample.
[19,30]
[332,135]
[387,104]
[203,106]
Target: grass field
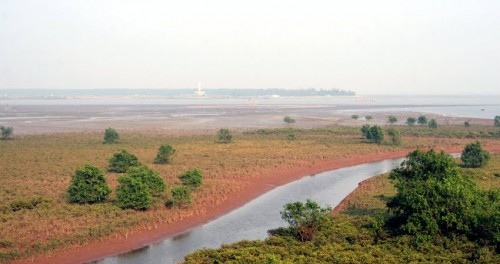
[36,170]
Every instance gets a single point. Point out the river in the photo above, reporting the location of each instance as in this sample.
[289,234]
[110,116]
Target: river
[252,220]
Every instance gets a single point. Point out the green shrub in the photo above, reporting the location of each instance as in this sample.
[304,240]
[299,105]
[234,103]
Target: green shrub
[192,178]
[305,218]
[224,136]
[392,119]
[111,136]
[466,124]
[288,120]
[132,193]
[433,124]
[150,178]
[432,196]
[181,195]
[122,161]
[368,117]
[165,154]
[422,120]
[88,185]
[395,136]
[372,133]
[355,117]
[473,155]
[6,132]
[411,121]
[27,203]
[496,121]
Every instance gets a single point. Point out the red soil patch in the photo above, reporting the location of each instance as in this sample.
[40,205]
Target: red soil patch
[137,239]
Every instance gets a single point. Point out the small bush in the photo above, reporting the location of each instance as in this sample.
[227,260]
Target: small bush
[88,185]
[395,136]
[355,117]
[433,124]
[473,155]
[165,154]
[192,178]
[368,117]
[496,121]
[122,161]
[411,121]
[291,137]
[27,203]
[111,136]
[181,195]
[6,132]
[288,120]
[373,134]
[422,120]
[150,178]
[466,124]
[224,136]
[132,193]
[392,119]
[305,218]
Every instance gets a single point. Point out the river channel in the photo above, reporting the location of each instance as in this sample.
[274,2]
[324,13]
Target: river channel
[252,220]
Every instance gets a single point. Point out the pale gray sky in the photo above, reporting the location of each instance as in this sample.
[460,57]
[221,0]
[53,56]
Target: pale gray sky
[371,47]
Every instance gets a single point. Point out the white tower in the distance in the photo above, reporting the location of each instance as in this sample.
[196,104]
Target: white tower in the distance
[199,92]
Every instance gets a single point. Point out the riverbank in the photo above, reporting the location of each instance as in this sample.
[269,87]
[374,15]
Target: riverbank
[114,245]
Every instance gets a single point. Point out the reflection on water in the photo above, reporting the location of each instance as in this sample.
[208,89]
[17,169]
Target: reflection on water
[252,220]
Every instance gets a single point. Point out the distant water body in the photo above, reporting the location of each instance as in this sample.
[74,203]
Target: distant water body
[475,106]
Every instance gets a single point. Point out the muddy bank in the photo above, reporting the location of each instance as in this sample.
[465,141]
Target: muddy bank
[135,239]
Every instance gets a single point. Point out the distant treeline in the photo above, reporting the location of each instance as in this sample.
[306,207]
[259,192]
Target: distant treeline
[61,93]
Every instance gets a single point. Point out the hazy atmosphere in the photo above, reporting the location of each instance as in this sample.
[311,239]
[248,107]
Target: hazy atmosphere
[371,47]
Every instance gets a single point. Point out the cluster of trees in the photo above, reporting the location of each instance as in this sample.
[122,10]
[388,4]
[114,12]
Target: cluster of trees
[138,187]
[6,132]
[434,198]
[288,120]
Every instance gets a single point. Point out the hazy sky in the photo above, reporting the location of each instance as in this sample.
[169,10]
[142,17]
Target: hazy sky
[371,47]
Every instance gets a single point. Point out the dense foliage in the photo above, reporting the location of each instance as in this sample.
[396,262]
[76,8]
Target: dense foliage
[474,156]
[411,121]
[122,161]
[152,180]
[6,132]
[224,136]
[132,193]
[373,134]
[305,219]
[111,136]
[88,185]
[433,196]
[422,120]
[355,117]
[165,154]
[192,178]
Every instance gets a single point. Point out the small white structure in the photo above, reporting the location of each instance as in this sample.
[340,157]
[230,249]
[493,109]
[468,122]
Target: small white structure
[199,92]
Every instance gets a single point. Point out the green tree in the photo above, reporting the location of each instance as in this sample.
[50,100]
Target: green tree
[496,121]
[181,195]
[88,185]
[376,134]
[224,136]
[432,196]
[150,178]
[355,117]
[6,132]
[365,130]
[368,117]
[122,161]
[132,193]
[305,219]
[466,124]
[392,119]
[422,120]
[111,136]
[288,120]
[395,136]
[473,155]
[411,121]
[165,154]
[192,178]
[433,124]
